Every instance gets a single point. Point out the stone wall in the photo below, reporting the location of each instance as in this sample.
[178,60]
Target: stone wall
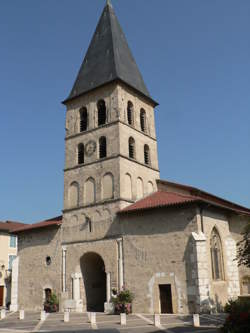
[157,250]
[34,274]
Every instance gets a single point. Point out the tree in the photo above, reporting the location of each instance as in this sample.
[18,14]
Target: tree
[243,255]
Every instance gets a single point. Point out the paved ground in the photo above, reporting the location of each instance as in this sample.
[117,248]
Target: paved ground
[138,323]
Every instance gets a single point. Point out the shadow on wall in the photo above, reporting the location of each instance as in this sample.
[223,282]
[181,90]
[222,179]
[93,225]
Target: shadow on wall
[156,221]
[34,238]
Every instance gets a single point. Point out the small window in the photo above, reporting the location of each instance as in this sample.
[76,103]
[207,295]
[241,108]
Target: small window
[130,113]
[131,148]
[83,120]
[80,153]
[102,147]
[11,259]
[101,112]
[13,241]
[143,120]
[146,155]
[48,260]
[89,222]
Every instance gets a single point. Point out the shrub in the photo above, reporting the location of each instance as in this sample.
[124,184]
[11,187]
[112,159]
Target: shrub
[123,301]
[238,320]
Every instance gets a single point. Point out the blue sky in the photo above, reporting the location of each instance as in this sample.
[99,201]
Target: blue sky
[195,59]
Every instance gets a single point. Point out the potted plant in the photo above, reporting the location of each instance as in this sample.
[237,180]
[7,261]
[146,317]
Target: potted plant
[51,304]
[122,301]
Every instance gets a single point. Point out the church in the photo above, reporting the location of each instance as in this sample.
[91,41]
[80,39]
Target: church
[172,245]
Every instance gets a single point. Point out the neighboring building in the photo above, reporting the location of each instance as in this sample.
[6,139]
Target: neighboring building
[8,252]
[173,246]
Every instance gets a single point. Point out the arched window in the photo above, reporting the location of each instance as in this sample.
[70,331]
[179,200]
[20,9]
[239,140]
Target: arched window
[89,191]
[130,113]
[83,119]
[139,188]
[73,195]
[131,147]
[146,155]
[150,188]
[127,187]
[108,186]
[143,120]
[80,153]
[216,256]
[102,147]
[101,112]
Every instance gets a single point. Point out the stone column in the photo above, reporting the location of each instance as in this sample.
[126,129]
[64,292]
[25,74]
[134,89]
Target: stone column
[64,250]
[120,263]
[232,268]
[108,287]
[14,285]
[76,286]
[202,280]
[76,291]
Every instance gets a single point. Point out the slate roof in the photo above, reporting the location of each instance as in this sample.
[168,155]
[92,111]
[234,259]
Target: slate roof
[55,221]
[108,59]
[163,198]
[9,226]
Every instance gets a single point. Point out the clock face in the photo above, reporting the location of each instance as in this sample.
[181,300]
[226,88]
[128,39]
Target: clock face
[90,148]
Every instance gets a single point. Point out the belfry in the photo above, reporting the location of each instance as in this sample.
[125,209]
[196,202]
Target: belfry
[172,245]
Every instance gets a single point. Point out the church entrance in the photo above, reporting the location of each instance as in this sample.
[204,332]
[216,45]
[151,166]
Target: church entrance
[94,277]
[166,298]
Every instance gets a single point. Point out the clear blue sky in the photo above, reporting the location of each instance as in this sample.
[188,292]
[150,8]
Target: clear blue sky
[195,59]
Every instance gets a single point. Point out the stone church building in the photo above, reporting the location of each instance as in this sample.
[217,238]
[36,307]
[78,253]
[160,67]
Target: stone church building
[172,245]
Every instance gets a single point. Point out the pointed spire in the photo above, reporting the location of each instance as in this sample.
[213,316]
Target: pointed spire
[108,3]
[108,59]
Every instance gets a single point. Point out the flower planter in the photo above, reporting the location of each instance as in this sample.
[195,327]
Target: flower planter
[123,308]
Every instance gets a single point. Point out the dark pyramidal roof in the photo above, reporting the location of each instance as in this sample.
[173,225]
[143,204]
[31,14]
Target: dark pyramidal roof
[108,59]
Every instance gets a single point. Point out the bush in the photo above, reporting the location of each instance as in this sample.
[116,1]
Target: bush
[238,320]
[52,304]
[123,301]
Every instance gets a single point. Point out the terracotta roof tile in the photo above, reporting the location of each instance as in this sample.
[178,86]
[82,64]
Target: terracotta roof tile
[163,198]
[10,225]
[159,199]
[56,221]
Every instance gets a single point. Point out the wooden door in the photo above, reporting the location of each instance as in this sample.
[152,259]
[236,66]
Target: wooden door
[1,295]
[166,298]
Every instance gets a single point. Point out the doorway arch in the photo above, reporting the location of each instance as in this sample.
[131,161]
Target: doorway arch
[94,277]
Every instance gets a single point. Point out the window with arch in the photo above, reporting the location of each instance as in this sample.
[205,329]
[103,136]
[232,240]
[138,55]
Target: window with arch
[127,187]
[102,112]
[146,155]
[108,186]
[130,113]
[143,120]
[131,147]
[73,195]
[216,255]
[139,188]
[89,191]
[80,153]
[102,147]
[83,119]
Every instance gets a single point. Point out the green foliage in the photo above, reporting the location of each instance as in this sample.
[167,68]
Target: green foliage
[53,299]
[243,255]
[238,320]
[123,297]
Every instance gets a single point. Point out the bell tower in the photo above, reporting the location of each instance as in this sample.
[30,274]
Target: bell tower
[110,145]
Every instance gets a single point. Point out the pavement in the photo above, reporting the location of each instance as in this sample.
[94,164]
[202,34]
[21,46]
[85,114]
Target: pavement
[136,323]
